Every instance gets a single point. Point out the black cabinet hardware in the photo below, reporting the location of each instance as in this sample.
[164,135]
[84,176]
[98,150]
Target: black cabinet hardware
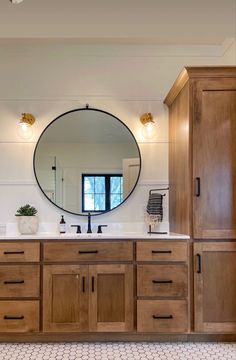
[161,251]
[197,186]
[88,251]
[6,317]
[83,284]
[14,282]
[93,283]
[13,252]
[156,317]
[162,281]
[199,264]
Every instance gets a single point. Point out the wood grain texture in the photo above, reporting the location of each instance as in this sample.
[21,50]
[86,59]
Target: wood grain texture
[26,311]
[177,309]
[162,251]
[214,159]
[215,288]
[180,164]
[19,281]
[111,302]
[65,303]
[103,251]
[149,275]
[19,251]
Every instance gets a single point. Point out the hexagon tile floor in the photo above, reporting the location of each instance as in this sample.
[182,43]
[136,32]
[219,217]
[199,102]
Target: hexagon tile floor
[118,351]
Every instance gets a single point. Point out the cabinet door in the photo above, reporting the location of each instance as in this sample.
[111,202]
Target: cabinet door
[111,298]
[65,298]
[215,287]
[214,159]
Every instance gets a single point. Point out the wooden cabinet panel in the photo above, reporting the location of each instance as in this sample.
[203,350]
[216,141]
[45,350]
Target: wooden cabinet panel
[88,251]
[19,316]
[162,280]
[19,281]
[162,251]
[215,287]
[214,159]
[65,298]
[19,252]
[162,316]
[111,298]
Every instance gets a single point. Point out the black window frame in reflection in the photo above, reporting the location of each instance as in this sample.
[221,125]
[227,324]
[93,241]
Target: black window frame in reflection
[107,193]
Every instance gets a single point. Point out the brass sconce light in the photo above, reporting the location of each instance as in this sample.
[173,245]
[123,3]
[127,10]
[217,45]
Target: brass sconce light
[25,130]
[148,130]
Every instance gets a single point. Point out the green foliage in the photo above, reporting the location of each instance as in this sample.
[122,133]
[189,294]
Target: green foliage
[26,210]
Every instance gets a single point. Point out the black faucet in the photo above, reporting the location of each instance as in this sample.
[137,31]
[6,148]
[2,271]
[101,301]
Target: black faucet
[89,231]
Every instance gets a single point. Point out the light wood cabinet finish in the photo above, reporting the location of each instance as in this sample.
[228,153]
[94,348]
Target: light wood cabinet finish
[19,252]
[162,251]
[162,316]
[65,298]
[88,298]
[19,316]
[19,281]
[111,298]
[162,281]
[215,287]
[88,251]
[202,157]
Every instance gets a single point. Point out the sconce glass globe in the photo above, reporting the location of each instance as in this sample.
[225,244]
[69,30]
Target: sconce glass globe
[24,130]
[149,131]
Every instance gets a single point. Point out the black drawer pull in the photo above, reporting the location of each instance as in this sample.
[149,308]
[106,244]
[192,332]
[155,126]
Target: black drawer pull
[161,251]
[88,251]
[6,317]
[13,252]
[14,282]
[199,264]
[83,284]
[92,283]
[162,281]
[197,186]
[156,317]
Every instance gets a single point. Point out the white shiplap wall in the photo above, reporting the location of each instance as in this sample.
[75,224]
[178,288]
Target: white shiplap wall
[49,79]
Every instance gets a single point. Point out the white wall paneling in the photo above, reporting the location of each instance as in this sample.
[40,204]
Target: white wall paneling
[47,79]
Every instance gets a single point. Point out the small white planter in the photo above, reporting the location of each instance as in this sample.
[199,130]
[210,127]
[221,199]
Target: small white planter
[28,225]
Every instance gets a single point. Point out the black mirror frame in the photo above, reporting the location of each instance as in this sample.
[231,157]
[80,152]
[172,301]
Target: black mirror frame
[107,113]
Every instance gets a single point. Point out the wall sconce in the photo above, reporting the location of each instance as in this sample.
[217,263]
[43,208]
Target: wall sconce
[148,130]
[24,127]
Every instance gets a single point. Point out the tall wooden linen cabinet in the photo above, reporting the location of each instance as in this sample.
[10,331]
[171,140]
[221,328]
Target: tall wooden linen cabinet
[202,170]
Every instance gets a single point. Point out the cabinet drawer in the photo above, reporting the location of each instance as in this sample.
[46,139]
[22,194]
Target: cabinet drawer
[92,251]
[162,280]
[19,316]
[19,281]
[162,316]
[162,251]
[19,252]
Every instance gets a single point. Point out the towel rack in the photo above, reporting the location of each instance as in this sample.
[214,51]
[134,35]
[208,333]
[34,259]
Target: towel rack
[164,189]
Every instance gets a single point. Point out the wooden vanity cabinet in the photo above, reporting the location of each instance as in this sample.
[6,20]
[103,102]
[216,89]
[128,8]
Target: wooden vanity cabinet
[215,287]
[202,153]
[89,297]
[162,287]
[19,287]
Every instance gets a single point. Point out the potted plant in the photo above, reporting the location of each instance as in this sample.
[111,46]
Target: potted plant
[27,220]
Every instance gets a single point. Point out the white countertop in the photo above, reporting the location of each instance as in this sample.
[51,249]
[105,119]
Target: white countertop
[94,236]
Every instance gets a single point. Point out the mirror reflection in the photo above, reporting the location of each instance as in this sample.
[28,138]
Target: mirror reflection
[87,160]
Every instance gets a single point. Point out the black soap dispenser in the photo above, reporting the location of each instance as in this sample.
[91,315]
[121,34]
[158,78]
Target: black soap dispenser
[62,226]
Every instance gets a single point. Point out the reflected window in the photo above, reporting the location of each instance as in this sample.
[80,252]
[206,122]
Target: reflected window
[101,192]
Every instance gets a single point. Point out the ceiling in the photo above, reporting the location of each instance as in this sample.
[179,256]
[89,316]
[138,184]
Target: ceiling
[123,21]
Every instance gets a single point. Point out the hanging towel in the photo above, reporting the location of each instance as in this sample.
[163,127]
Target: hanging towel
[155,205]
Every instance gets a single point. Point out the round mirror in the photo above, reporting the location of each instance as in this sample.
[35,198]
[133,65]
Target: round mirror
[87,160]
